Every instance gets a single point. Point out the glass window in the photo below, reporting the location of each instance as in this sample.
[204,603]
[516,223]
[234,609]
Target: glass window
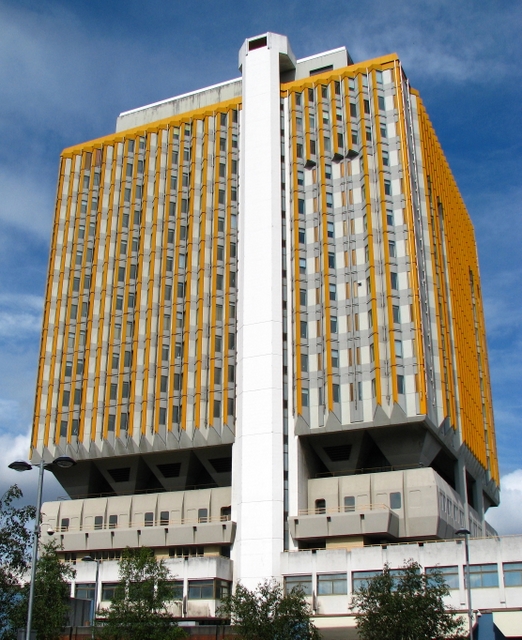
[203,515]
[301,582]
[331,260]
[450,575]
[176,589]
[113,521]
[201,590]
[398,348]
[483,575]
[330,584]
[335,358]
[149,519]
[395,500]
[98,522]
[512,574]
[396,313]
[333,324]
[84,590]
[320,505]
[304,397]
[64,524]
[330,229]
[394,280]
[108,591]
[361,578]
[349,503]
[302,236]
[387,187]
[400,384]
[164,518]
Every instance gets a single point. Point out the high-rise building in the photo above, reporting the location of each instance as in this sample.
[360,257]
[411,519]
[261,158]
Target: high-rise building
[263,325]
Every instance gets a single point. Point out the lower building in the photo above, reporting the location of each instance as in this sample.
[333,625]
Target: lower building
[329,576]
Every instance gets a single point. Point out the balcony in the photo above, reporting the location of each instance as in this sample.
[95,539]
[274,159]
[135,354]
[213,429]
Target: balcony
[374,520]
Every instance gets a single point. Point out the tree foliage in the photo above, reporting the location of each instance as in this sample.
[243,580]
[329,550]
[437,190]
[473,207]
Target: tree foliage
[51,595]
[15,545]
[139,608]
[405,606]
[268,614]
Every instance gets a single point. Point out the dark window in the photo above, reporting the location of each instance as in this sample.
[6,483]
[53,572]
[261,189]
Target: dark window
[148,520]
[98,522]
[203,515]
[349,503]
[64,524]
[201,590]
[113,521]
[164,518]
[395,500]
[320,505]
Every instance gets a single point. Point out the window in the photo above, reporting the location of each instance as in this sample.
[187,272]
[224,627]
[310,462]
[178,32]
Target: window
[113,521]
[331,584]
[335,358]
[385,158]
[302,297]
[300,205]
[304,397]
[383,131]
[164,518]
[387,187]
[512,574]
[304,362]
[394,281]
[222,589]
[330,229]
[336,393]
[302,236]
[333,292]
[349,503]
[203,515]
[201,590]
[361,578]
[304,329]
[396,312]
[368,134]
[64,524]
[392,248]
[381,103]
[320,505]
[176,589]
[226,513]
[366,106]
[148,520]
[300,178]
[353,109]
[108,591]
[395,500]
[333,324]
[483,576]
[302,265]
[400,384]
[331,260]
[98,522]
[302,582]
[450,575]
[84,590]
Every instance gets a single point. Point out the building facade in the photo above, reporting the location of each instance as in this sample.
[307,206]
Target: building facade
[263,328]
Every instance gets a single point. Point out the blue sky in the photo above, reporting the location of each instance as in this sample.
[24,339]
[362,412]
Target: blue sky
[68,68]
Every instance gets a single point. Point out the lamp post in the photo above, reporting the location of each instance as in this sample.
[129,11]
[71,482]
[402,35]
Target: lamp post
[21,465]
[466,533]
[95,600]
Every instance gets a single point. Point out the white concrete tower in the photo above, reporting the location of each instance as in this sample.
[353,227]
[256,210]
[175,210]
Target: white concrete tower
[258,450]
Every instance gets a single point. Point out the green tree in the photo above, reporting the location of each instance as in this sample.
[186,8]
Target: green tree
[406,606]
[15,545]
[139,608]
[268,614]
[51,595]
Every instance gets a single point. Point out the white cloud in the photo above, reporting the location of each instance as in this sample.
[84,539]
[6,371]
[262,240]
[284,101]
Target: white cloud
[20,316]
[17,448]
[507,518]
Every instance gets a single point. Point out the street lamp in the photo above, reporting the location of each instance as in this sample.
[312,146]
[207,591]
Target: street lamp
[21,465]
[95,600]
[466,533]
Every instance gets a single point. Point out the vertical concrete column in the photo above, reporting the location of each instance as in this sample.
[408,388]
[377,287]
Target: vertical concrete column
[257,501]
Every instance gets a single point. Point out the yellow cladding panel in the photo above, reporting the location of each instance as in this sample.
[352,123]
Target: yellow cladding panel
[469,357]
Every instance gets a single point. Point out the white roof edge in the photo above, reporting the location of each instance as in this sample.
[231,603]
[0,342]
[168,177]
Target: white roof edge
[183,95]
[323,53]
